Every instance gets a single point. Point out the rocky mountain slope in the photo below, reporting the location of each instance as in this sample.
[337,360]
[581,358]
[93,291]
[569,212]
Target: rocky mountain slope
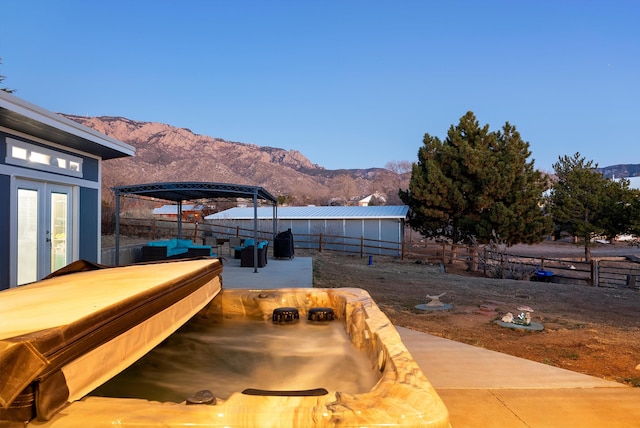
[625,170]
[167,153]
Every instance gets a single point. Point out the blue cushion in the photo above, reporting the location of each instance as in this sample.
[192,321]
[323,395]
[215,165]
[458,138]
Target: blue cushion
[199,246]
[163,243]
[184,242]
[248,242]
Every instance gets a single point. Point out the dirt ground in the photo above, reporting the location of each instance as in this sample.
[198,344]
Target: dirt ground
[595,331]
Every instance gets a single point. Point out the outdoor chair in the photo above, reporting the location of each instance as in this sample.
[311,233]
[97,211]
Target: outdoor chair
[233,243]
[246,255]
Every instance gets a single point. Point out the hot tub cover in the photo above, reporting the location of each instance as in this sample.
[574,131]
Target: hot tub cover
[65,335]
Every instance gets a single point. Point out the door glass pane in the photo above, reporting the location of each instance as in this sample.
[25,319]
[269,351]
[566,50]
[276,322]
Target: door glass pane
[27,236]
[59,230]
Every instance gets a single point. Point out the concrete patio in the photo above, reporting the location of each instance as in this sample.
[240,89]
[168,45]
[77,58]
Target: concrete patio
[278,273]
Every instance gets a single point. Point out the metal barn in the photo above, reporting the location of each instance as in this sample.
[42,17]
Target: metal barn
[370,229]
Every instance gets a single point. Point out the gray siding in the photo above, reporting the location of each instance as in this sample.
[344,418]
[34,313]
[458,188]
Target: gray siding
[4,231]
[89,224]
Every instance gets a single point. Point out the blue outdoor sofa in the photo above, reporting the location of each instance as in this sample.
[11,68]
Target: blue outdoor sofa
[174,249]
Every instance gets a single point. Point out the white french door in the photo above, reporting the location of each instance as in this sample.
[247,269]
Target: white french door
[44,229]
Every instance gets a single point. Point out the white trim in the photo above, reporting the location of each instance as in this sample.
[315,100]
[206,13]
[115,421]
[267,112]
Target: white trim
[36,175]
[99,211]
[44,188]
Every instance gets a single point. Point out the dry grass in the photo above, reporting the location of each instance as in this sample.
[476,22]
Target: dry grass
[589,330]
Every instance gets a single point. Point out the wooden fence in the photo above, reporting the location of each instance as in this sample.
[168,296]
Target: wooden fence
[611,272]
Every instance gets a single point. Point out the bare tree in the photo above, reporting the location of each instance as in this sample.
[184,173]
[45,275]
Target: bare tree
[402,171]
[1,80]
[399,167]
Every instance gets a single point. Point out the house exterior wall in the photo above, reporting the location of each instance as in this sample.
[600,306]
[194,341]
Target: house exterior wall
[89,224]
[86,191]
[5,187]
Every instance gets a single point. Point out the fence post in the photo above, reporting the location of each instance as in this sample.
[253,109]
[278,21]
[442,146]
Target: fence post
[595,274]
[473,264]
[361,246]
[401,250]
[443,252]
[484,265]
[195,232]
[320,243]
[454,254]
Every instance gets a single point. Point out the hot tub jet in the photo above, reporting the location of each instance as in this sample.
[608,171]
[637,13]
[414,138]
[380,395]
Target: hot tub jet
[285,315]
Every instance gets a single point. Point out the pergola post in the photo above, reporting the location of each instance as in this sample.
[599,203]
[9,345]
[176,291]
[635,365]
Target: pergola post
[255,231]
[179,219]
[117,259]
[274,218]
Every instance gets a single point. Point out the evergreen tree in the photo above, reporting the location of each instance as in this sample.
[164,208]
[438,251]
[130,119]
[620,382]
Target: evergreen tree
[634,212]
[516,203]
[587,204]
[619,208]
[475,183]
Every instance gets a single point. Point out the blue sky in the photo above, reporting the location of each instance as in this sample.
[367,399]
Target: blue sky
[350,84]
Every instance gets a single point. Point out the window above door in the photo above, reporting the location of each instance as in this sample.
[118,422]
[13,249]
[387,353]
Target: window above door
[29,155]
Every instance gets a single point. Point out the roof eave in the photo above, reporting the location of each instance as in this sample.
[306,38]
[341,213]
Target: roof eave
[22,116]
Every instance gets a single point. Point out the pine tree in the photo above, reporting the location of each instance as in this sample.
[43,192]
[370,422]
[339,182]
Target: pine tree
[516,203]
[587,204]
[477,184]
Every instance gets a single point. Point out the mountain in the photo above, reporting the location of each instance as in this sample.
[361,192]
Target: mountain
[166,153]
[620,171]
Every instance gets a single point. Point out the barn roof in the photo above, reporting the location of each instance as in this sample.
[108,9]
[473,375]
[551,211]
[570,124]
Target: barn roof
[315,212]
[634,182]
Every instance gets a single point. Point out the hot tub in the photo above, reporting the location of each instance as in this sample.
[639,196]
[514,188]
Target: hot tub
[400,394]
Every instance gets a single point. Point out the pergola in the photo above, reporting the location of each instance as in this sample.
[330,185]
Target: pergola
[190,191]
